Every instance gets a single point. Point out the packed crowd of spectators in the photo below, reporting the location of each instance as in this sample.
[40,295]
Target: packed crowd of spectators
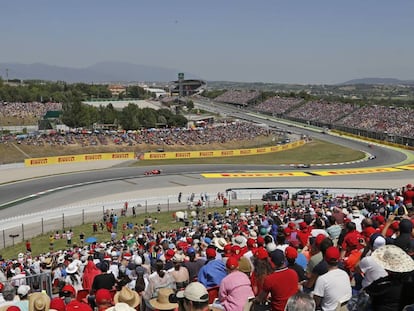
[278,105]
[218,133]
[238,97]
[393,120]
[315,253]
[322,111]
[25,110]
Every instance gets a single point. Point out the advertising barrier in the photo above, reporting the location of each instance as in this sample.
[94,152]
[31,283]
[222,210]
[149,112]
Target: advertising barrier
[218,153]
[79,158]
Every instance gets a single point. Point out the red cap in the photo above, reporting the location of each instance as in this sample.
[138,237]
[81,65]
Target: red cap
[409,186]
[227,248]
[291,252]
[250,242]
[260,241]
[332,254]
[58,304]
[261,253]
[70,289]
[287,231]
[13,308]
[319,239]
[368,231]
[303,225]
[103,296]
[291,225]
[75,305]
[169,254]
[211,253]
[380,219]
[395,225]
[232,263]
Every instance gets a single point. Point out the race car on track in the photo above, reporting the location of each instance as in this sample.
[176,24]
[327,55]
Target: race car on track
[153,172]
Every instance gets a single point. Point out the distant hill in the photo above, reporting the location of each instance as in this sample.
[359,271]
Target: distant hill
[99,72]
[384,81]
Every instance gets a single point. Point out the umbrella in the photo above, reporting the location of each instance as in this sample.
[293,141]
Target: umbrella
[90,239]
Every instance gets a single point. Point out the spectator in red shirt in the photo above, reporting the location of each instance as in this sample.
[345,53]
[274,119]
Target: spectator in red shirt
[351,240]
[281,284]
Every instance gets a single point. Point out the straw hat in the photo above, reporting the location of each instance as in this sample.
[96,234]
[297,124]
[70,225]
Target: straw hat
[39,302]
[178,257]
[393,258]
[220,243]
[121,306]
[162,302]
[128,296]
[72,268]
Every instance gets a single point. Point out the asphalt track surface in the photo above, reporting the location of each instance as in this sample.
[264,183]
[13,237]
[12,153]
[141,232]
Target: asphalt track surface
[120,182]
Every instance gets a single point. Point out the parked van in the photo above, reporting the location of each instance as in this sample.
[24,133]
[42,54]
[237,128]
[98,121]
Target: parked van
[276,195]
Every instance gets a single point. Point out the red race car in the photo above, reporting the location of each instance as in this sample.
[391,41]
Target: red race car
[153,172]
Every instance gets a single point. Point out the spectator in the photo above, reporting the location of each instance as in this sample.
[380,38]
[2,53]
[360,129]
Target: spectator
[194,297]
[235,288]
[281,284]
[332,289]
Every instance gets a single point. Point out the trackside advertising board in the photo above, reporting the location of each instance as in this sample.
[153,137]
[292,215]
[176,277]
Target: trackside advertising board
[79,158]
[218,153]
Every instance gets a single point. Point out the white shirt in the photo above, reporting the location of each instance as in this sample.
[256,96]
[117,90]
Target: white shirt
[334,287]
[372,271]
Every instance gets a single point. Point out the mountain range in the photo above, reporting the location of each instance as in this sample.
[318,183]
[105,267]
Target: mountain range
[105,72]
[97,73]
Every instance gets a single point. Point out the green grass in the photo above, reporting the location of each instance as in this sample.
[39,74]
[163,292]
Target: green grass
[313,152]
[40,244]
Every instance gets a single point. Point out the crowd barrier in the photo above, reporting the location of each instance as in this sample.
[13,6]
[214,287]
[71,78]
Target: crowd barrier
[23,227]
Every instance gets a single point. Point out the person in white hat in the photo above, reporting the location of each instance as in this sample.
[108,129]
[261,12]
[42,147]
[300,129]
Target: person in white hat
[194,297]
[72,277]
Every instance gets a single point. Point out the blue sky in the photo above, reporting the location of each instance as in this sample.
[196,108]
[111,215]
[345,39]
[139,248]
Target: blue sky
[262,41]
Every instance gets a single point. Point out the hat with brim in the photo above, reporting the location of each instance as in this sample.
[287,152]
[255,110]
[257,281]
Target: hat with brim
[127,296]
[72,268]
[121,306]
[220,243]
[162,302]
[393,258]
[195,291]
[39,302]
[240,241]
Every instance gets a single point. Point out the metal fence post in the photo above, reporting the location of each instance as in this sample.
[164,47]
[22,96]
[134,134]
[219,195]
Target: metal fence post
[23,232]
[63,221]
[4,239]
[168,204]
[83,217]
[146,206]
[42,227]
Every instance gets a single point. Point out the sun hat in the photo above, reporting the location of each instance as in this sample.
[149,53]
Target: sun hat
[162,301]
[121,306]
[393,258]
[103,296]
[39,302]
[178,257]
[253,234]
[244,265]
[332,254]
[128,296]
[239,240]
[220,243]
[71,268]
[195,291]
[23,290]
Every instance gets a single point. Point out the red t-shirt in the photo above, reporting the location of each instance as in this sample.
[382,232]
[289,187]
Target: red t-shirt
[281,284]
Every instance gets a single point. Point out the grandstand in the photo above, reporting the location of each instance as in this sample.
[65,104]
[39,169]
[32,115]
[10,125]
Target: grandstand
[189,87]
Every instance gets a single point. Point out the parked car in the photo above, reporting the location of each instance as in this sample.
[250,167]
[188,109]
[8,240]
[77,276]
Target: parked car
[302,194]
[276,195]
